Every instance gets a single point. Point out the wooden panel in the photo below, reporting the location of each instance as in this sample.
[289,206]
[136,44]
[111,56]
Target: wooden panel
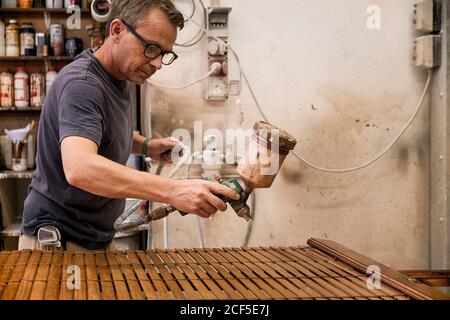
[229,273]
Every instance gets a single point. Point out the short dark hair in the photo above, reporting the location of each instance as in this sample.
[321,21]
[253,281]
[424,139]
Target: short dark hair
[133,11]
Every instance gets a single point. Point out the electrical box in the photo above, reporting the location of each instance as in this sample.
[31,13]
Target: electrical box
[217,27]
[427,52]
[427,16]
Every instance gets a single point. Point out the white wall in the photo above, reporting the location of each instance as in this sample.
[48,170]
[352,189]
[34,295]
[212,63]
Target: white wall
[345,92]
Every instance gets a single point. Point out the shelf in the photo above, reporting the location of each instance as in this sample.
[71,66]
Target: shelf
[12,231]
[40,11]
[16,175]
[4,110]
[51,58]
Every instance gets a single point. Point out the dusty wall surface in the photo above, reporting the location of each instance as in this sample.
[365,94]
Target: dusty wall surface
[345,92]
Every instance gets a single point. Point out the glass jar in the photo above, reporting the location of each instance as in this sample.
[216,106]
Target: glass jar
[266,151]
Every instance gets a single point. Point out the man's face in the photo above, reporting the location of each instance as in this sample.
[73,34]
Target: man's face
[128,51]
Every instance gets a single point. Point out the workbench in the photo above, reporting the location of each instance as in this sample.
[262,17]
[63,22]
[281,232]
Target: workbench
[322,270]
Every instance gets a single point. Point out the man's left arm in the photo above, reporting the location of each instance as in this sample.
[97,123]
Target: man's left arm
[156,149]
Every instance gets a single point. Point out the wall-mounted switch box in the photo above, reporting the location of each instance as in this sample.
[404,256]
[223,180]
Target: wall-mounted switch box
[427,52]
[217,27]
[427,16]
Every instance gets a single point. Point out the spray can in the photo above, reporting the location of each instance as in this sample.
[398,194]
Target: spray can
[57,39]
[21,88]
[2,39]
[37,90]
[27,47]
[54,4]
[7,90]
[12,39]
[42,44]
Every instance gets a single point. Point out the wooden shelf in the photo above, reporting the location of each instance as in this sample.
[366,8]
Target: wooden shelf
[40,11]
[4,110]
[50,58]
[16,175]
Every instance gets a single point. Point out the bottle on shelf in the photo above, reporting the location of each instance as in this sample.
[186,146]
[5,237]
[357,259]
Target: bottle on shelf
[12,39]
[57,39]
[39,4]
[9,3]
[25,4]
[50,76]
[7,90]
[42,44]
[72,3]
[27,47]
[54,4]
[37,90]
[2,39]
[21,88]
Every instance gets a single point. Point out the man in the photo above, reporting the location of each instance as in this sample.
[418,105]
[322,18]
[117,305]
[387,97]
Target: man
[86,136]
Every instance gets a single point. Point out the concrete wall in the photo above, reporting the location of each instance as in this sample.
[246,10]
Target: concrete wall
[345,91]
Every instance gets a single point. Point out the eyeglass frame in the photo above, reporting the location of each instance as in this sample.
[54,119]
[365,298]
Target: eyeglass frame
[147,45]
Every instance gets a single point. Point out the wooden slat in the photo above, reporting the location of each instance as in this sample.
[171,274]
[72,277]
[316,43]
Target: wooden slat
[202,275]
[54,277]
[147,286]
[40,282]
[188,289]
[226,274]
[26,283]
[197,283]
[250,285]
[262,284]
[136,292]
[106,283]
[388,275]
[17,272]
[155,277]
[231,292]
[92,280]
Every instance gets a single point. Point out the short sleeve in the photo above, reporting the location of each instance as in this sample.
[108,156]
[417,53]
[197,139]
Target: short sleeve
[80,111]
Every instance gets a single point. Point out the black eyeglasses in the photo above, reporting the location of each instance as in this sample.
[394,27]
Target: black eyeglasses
[153,51]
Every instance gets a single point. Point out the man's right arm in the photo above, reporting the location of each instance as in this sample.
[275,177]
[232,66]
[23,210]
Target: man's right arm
[88,171]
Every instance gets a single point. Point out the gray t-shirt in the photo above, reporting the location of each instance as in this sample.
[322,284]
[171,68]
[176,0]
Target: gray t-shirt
[84,101]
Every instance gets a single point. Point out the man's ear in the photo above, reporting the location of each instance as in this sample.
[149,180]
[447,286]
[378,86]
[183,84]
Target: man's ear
[116,29]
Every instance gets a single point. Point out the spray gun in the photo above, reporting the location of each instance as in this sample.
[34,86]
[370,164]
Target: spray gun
[266,151]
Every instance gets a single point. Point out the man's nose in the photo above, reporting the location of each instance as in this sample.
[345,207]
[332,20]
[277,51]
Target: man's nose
[157,63]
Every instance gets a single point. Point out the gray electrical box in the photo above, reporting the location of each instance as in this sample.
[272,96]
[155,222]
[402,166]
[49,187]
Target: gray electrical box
[217,25]
[427,52]
[427,16]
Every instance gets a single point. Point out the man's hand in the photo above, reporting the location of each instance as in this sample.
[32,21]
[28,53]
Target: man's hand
[161,149]
[199,197]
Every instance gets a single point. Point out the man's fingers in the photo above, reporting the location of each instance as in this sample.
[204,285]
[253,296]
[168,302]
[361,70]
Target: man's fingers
[208,208]
[217,203]
[203,214]
[223,190]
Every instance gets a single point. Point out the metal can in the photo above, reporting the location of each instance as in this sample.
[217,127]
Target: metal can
[57,39]
[7,90]
[74,46]
[72,3]
[41,44]
[37,90]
